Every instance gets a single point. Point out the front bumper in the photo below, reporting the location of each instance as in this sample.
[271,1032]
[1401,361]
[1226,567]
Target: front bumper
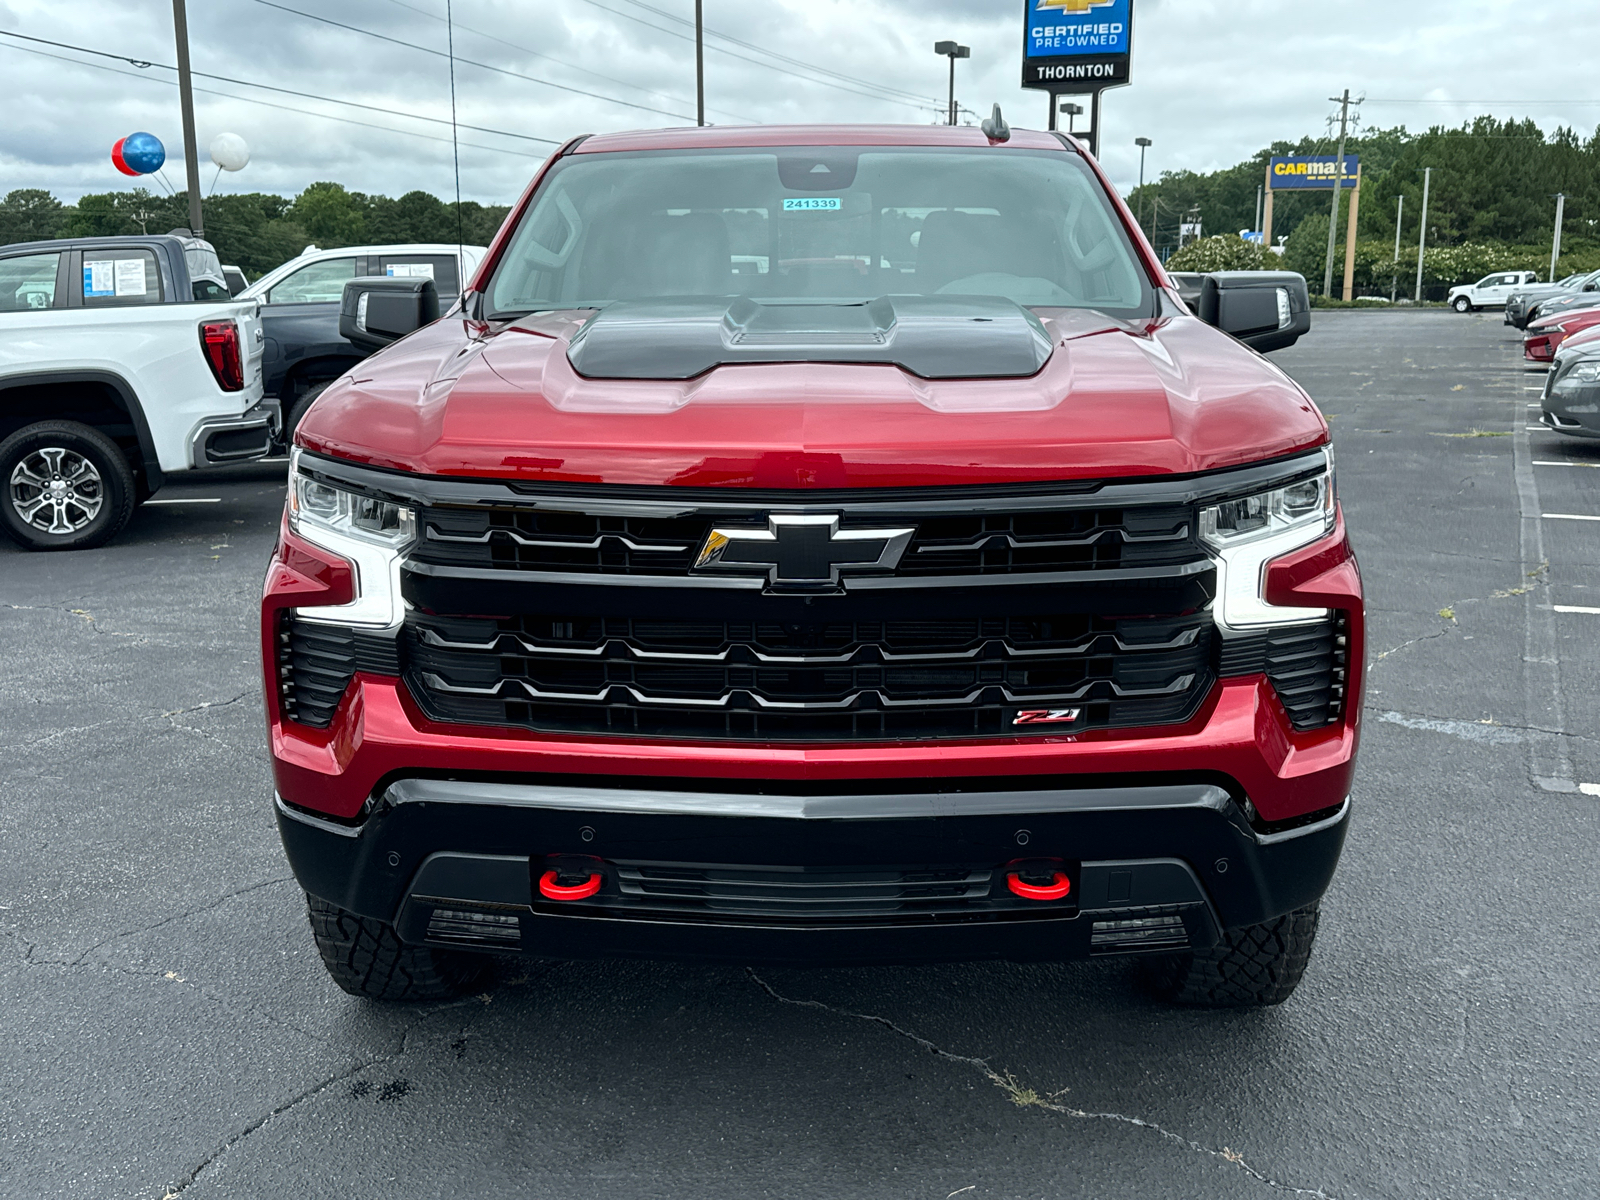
[1155,868]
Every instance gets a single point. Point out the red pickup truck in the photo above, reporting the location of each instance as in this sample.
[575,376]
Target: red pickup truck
[816,545]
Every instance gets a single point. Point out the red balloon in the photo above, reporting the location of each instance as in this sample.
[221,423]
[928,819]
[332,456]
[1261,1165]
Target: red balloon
[118,161]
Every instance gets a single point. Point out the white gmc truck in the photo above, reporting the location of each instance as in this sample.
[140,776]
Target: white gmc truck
[122,361]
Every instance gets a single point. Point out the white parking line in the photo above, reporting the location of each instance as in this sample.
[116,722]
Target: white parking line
[189,500]
[1589,789]
[1568,517]
[1546,462]
[1538,429]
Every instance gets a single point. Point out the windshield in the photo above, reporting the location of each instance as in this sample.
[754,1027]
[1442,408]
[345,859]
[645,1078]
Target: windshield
[821,223]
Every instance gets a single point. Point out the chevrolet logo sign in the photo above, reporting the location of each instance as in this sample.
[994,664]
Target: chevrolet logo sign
[802,551]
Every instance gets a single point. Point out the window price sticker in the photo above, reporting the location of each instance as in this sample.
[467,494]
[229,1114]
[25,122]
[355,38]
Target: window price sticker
[811,204]
[114,277]
[410,270]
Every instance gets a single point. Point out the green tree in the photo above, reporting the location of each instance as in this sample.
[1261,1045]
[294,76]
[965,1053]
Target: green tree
[330,215]
[30,215]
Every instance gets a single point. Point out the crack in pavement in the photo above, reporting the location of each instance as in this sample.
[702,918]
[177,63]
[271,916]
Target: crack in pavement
[1026,1097]
[80,960]
[316,1089]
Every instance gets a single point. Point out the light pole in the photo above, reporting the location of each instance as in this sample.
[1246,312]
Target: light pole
[952,51]
[1143,144]
[699,65]
[1073,111]
[191,153]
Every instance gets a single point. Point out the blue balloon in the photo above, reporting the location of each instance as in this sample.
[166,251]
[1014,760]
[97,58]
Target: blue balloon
[143,152]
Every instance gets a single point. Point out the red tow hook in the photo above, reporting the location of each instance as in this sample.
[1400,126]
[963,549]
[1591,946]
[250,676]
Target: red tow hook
[1057,889]
[562,881]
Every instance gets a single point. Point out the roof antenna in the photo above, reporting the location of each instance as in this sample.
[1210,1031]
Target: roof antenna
[995,127]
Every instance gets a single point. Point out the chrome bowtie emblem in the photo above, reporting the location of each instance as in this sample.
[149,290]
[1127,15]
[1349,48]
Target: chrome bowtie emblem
[802,550]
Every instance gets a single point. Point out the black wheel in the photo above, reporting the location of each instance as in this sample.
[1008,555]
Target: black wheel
[1253,966]
[367,958]
[297,411]
[1461,304]
[67,486]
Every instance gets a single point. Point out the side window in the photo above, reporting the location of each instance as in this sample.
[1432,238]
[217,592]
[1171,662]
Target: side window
[114,277]
[315,283]
[28,282]
[441,268]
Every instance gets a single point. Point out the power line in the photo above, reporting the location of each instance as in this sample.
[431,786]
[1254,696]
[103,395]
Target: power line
[389,111]
[269,104]
[765,66]
[911,96]
[383,37]
[561,61]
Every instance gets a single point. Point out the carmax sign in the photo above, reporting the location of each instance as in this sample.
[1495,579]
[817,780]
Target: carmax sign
[1311,171]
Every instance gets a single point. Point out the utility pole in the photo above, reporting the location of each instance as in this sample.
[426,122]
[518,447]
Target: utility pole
[1422,233]
[1555,246]
[699,64]
[953,51]
[1144,144]
[1338,187]
[191,152]
[1394,275]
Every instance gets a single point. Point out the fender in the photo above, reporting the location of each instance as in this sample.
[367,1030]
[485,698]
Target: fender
[126,399]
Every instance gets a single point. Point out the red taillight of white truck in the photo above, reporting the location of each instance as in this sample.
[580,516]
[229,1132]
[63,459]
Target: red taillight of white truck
[220,342]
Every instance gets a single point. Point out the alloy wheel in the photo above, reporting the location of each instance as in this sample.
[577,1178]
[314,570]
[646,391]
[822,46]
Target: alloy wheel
[56,490]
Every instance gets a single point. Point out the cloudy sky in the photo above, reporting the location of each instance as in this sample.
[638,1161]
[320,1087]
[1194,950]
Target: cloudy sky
[1213,80]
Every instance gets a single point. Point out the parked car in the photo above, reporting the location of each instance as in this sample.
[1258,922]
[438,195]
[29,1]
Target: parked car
[123,361]
[1491,291]
[234,278]
[300,312]
[1522,304]
[1587,296]
[1571,403]
[1545,336]
[946,591]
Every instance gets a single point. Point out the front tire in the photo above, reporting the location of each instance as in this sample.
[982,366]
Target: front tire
[1461,304]
[66,486]
[1250,967]
[367,958]
[302,404]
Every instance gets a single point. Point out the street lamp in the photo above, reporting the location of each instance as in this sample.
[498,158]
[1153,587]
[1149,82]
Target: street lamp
[1143,144]
[1072,110]
[952,51]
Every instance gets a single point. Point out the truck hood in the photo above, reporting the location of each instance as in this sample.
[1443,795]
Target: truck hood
[1113,399]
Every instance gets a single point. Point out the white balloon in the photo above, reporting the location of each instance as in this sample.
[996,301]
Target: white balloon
[230,152]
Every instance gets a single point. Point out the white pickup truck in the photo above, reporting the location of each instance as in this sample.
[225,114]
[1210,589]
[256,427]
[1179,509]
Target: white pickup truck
[122,361]
[1489,292]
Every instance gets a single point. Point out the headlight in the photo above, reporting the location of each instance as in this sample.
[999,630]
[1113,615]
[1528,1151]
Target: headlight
[1583,375]
[1247,533]
[372,534]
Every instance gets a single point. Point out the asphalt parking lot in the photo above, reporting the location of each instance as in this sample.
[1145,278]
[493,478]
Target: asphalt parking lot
[169,1029]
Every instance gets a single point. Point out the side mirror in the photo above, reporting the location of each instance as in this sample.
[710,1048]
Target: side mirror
[378,309]
[1266,310]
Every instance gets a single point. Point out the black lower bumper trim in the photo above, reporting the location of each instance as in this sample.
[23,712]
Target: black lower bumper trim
[842,878]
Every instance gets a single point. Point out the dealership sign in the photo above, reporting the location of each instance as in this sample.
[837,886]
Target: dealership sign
[1076,45]
[1311,171]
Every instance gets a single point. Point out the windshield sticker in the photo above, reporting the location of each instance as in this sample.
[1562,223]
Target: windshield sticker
[129,280]
[409,270]
[98,279]
[806,203]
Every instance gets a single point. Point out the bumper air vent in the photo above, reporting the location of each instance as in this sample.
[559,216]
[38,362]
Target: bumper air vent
[316,663]
[479,930]
[1308,665]
[1150,932]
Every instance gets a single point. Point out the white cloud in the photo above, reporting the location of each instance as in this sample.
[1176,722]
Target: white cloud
[1212,81]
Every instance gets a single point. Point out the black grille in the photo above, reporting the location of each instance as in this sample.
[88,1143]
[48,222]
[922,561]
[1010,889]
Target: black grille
[958,676]
[1307,664]
[776,896]
[316,663]
[987,543]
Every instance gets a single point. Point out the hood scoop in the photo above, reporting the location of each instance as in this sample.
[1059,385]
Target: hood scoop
[934,337]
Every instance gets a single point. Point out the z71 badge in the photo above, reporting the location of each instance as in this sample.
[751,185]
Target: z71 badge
[1046,716]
